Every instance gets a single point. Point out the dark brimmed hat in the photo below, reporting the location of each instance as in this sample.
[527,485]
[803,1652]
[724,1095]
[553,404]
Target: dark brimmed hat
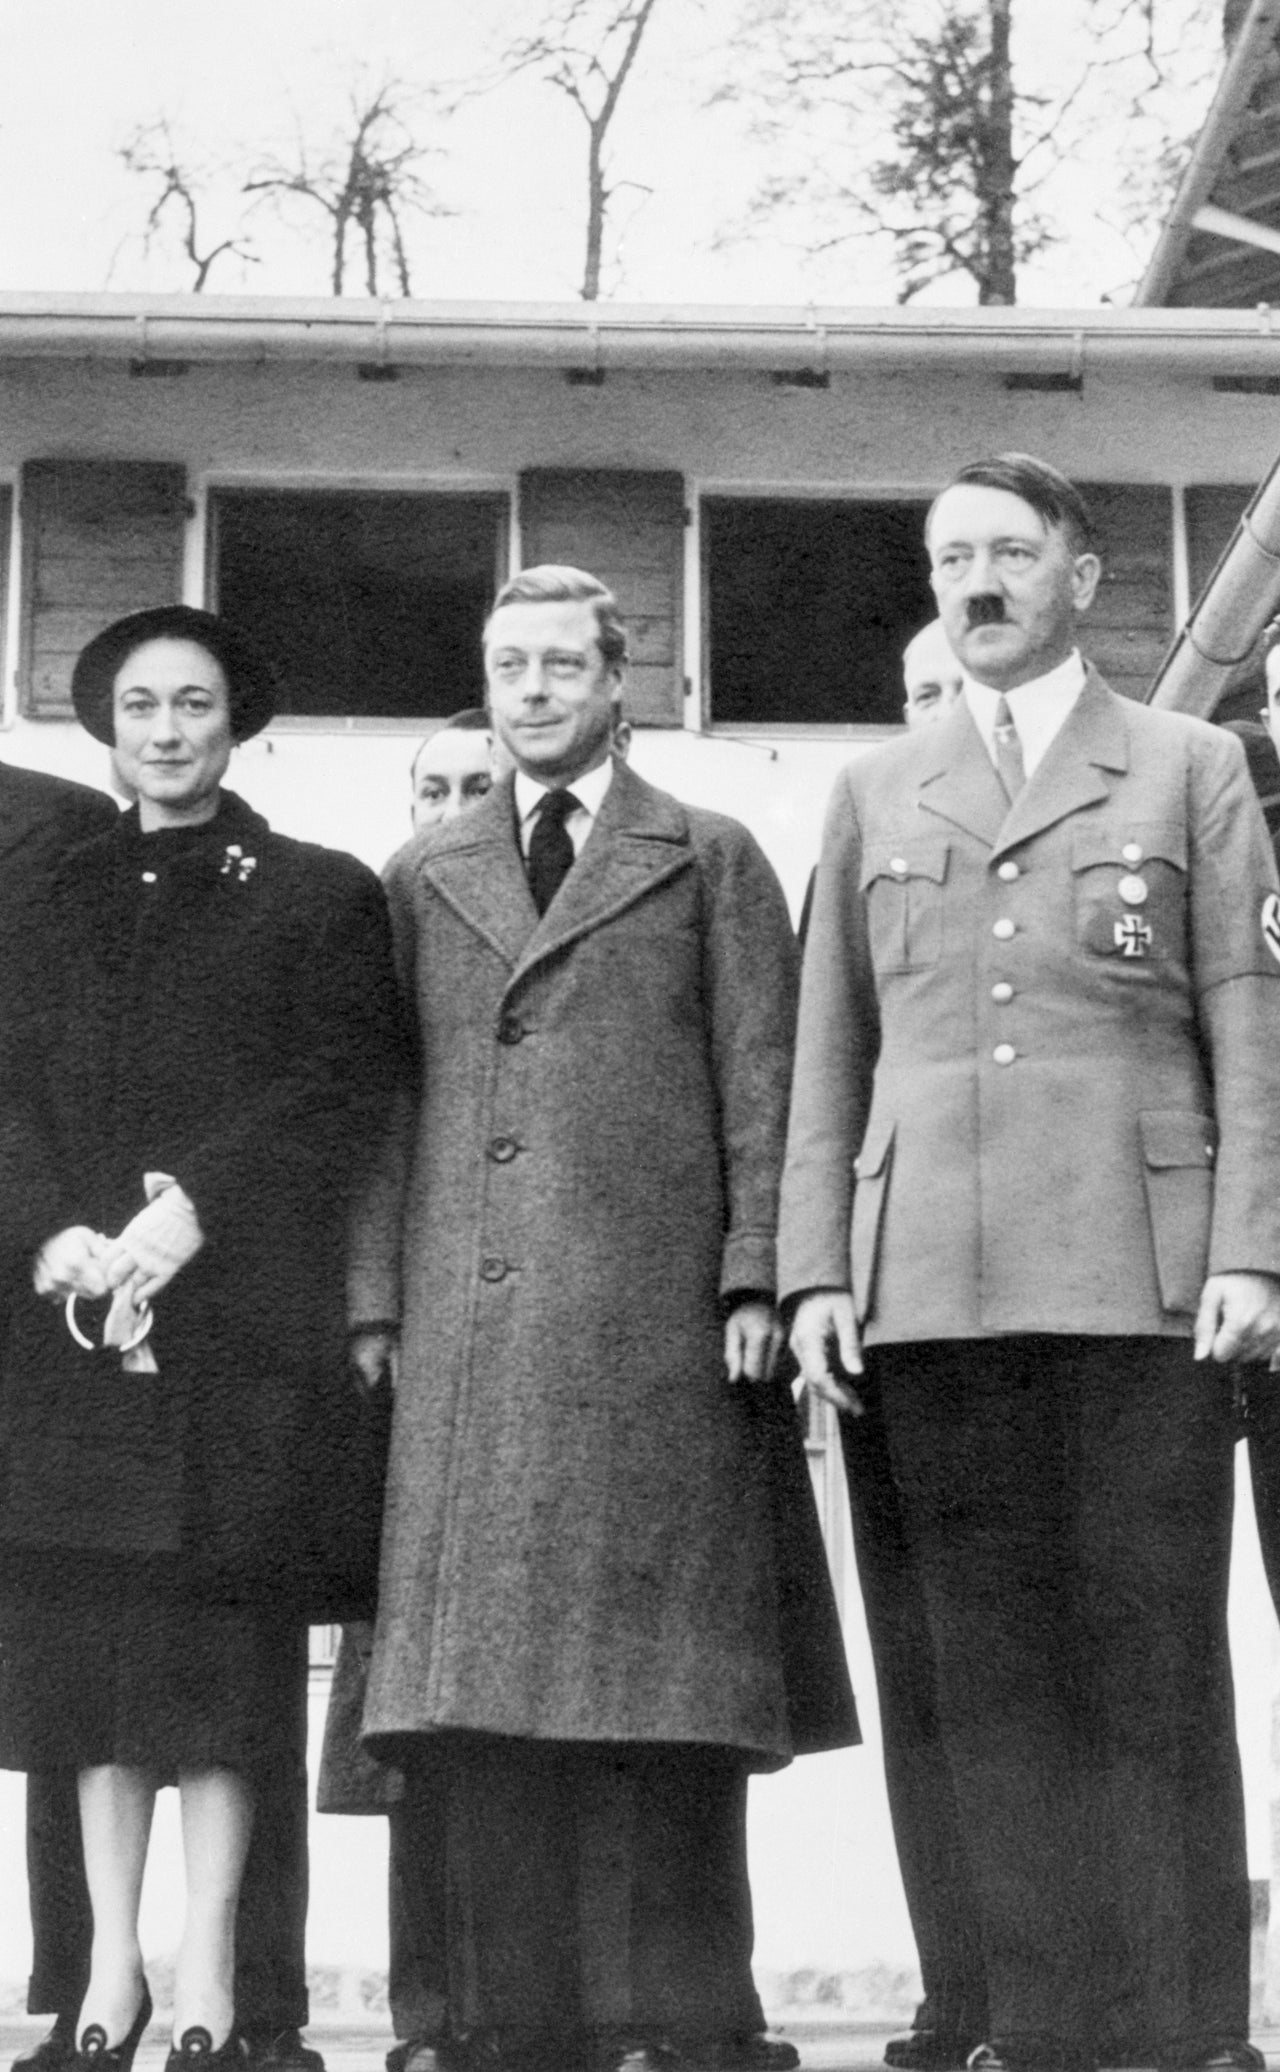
[250,678]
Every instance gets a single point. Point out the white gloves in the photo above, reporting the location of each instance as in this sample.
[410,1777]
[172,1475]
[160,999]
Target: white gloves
[162,1238]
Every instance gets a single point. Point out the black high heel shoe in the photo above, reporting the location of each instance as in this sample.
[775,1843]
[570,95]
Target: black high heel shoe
[92,2053]
[194,2052]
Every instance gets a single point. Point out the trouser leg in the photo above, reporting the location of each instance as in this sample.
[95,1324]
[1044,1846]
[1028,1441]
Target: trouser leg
[271,1922]
[980,1455]
[596,1889]
[418,1969]
[61,1917]
[926,1826]
[1154,1548]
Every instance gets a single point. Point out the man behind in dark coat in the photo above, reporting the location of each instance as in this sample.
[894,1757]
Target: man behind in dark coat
[41,818]
[603,1597]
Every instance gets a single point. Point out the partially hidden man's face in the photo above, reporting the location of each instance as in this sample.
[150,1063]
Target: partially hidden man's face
[932,677]
[453,771]
[1010,589]
[552,696]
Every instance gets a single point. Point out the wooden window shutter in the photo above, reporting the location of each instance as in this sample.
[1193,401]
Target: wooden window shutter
[1131,623]
[1213,512]
[99,539]
[627,529]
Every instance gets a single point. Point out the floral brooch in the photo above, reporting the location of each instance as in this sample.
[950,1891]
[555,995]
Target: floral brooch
[236,860]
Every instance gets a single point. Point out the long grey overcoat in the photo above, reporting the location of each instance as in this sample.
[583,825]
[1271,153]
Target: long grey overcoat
[590,1534]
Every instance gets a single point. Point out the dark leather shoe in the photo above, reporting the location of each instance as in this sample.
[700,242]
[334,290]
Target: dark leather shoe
[54,2052]
[1031,2055]
[194,2052]
[929,2050]
[282,2050]
[758,2053]
[94,2054]
[1240,2056]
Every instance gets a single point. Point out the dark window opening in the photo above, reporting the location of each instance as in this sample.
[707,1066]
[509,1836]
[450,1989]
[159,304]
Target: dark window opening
[371,606]
[809,606]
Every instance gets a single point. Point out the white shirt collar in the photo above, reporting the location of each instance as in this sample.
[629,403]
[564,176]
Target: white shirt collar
[1039,708]
[588,790]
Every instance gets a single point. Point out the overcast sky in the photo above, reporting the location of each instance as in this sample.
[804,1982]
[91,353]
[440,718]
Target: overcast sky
[234,76]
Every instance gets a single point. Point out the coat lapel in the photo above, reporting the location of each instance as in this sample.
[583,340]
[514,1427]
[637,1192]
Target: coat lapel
[475,865]
[958,780]
[640,838]
[1093,739]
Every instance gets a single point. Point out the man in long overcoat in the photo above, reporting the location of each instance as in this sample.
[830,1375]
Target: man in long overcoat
[603,1599]
[1034,1170]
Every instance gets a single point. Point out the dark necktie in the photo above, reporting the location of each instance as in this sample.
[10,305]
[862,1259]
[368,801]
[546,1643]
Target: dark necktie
[551,849]
[1009,763]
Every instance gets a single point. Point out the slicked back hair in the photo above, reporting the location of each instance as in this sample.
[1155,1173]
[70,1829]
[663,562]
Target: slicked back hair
[556,583]
[1050,495]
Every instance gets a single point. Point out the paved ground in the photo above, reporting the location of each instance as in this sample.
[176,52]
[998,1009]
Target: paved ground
[824,2047]
[350,2048]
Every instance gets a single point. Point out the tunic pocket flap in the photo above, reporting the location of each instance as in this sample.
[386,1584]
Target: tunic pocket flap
[1129,844]
[1177,1137]
[901,861]
[874,1155]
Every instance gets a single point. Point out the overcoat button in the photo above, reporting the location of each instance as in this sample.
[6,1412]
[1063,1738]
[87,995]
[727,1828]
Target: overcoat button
[1008,871]
[1004,931]
[898,865]
[1004,1053]
[148,877]
[510,1029]
[502,1149]
[1002,993]
[1132,852]
[493,1269]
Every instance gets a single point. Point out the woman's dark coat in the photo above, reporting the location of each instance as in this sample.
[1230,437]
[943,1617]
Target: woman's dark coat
[216,1004]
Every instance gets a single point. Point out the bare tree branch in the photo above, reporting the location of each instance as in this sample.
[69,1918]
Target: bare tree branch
[152,153]
[586,50]
[366,182]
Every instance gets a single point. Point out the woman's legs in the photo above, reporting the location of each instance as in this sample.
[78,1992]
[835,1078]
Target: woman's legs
[116,1804]
[217,1818]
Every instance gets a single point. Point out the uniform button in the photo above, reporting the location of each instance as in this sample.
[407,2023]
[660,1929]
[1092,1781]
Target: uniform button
[502,1149]
[1004,930]
[1003,993]
[510,1029]
[1133,891]
[1004,1053]
[898,865]
[1132,852]
[148,877]
[493,1269]
[1008,871]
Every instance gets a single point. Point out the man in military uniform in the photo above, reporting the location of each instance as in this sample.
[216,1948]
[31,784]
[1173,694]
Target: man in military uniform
[1033,1189]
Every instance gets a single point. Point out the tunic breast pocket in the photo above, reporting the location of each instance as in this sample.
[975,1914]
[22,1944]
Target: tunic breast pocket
[902,886]
[1131,892]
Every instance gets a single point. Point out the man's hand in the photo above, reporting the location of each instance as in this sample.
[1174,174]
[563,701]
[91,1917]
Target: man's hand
[824,1326]
[71,1264]
[1238,1317]
[374,1352]
[752,1341]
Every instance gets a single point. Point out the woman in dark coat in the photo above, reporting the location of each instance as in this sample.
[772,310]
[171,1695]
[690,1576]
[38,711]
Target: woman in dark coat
[202,1044]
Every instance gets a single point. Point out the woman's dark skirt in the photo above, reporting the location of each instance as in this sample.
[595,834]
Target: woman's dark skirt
[113,1661]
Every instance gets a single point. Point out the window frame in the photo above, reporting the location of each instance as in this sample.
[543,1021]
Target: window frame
[698,615]
[203,550]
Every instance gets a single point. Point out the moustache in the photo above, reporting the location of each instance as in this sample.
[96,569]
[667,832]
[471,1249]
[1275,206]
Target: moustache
[985,611]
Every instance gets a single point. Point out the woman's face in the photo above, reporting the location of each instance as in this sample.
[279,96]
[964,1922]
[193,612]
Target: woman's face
[172,714]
